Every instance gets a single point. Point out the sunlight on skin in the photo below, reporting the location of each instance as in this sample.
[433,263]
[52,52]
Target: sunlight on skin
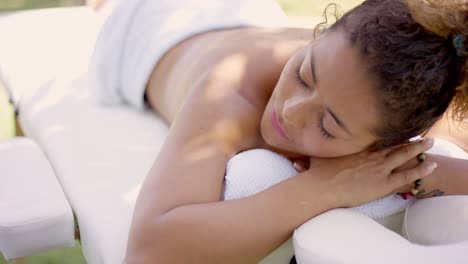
[225,131]
[131,196]
[231,69]
[197,149]
[95,4]
[280,50]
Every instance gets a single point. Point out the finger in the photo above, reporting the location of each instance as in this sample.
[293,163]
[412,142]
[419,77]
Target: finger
[384,152]
[403,154]
[300,165]
[405,177]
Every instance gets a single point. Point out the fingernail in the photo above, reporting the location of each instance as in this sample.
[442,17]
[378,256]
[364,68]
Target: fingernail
[429,141]
[431,165]
[297,166]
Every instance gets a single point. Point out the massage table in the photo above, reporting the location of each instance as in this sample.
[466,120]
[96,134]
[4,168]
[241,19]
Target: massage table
[81,165]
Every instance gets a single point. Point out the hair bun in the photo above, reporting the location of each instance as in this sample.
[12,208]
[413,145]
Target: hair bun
[447,18]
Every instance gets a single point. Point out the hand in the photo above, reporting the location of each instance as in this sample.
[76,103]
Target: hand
[366,176]
[95,4]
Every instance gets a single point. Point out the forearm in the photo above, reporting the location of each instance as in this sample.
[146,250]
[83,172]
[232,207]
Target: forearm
[238,231]
[449,178]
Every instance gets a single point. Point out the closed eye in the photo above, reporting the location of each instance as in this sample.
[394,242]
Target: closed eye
[299,79]
[323,131]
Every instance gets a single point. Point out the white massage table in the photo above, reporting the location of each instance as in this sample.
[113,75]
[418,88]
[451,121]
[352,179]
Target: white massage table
[87,160]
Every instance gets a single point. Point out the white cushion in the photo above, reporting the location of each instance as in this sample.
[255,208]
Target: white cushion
[100,160]
[100,154]
[440,222]
[343,236]
[35,215]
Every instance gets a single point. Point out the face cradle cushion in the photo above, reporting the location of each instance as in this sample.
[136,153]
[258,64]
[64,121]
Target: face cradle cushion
[35,214]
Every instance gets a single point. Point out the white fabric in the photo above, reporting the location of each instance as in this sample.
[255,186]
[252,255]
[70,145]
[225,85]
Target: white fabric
[342,236]
[98,162]
[139,32]
[440,222]
[435,221]
[255,170]
[99,155]
[35,215]
[62,38]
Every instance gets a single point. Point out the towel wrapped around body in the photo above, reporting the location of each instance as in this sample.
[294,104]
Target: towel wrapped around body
[137,33]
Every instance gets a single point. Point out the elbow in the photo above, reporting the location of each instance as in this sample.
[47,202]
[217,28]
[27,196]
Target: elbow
[152,242]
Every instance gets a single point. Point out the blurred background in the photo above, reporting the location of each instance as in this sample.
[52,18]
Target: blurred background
[297,8]
[9,5]
[300,11]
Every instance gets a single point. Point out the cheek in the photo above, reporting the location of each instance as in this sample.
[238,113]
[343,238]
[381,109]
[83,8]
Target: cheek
[282,89]
[319,147]
[266,128]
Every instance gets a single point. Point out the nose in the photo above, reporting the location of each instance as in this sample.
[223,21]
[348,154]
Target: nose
[295,110]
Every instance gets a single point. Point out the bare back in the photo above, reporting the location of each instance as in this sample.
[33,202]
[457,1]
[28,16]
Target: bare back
[252,58]
[212,90]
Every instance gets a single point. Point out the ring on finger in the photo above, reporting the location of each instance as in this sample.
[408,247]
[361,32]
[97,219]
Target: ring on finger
[421,158]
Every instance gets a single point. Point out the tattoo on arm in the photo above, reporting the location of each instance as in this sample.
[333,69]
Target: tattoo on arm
[423,194]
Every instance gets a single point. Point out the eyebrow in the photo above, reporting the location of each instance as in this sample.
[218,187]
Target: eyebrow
[338,121]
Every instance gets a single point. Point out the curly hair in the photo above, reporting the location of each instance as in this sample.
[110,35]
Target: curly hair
[418,69]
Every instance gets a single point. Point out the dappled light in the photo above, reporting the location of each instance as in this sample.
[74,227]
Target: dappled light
[101,155]
[231,69]
[131,196]
[222,135]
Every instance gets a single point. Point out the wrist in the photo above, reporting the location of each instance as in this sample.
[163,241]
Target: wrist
[318,193]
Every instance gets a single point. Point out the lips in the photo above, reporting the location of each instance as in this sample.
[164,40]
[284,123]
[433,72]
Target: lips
[276,124]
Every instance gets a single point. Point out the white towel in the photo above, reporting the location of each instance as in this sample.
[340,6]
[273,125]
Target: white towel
[255,170]
[137,33]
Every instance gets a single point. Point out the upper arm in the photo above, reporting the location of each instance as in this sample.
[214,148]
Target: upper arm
[209,129]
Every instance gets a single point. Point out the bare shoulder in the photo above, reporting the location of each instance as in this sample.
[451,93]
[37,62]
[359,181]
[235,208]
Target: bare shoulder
[217,109]
[213,124]
[216,101]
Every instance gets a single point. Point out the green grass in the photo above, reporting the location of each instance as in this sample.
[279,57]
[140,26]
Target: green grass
[313,8]
[9,5]
[60,256]
[294,8]
[297,8]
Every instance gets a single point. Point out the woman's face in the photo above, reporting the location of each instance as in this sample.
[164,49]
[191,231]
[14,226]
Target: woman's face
[323,104]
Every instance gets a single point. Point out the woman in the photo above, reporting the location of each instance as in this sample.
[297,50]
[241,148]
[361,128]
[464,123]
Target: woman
[384,73]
